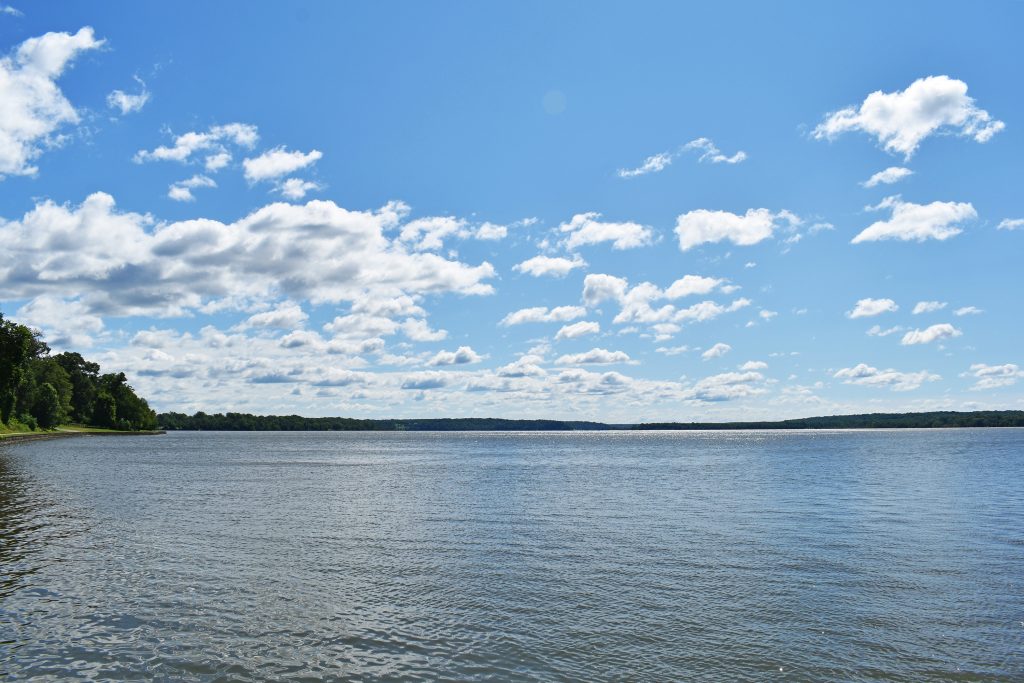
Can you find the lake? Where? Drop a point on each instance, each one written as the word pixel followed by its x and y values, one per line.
pixel 856 555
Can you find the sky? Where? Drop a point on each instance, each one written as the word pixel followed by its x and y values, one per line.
pixel 574 210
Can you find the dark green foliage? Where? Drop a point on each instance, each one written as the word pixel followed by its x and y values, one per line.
pixel 947 418
pixel 246 422
pixel 16 348
pixel 38 390
pixel 84 378
pixel 273 423
pixel 47 409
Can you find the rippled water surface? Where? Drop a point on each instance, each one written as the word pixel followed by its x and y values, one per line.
pixel 889 555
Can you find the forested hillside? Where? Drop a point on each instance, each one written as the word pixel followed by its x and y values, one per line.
pixel 41 391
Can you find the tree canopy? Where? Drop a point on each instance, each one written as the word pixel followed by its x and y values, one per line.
pixel 40 390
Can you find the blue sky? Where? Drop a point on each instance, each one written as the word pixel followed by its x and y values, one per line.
pixel 569 210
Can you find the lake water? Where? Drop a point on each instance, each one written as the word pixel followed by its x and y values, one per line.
pixel 868 555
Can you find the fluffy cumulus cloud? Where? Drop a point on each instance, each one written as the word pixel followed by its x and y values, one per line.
pixel 286 316
pixel 212 145
pixel 66 323
pixel 928 307
pixel 32 107
pixel 541 314
pixel 641 303
pixel 917 222
pixel 930 334
pixel 710 153
pixel 129 103
pixel 587 228
pixel 702 226
pixel 181 191
pixel 891 175
pixel 716 351
pixel 866 308
pixel 554 266
pixel 464 355
pixel 595 356
pixel 127 264
pixel 865 375
pixel 727 386
pixel 579 329
pixel 278 162
pixel 901 120
pixel 994 376
pixel 296 188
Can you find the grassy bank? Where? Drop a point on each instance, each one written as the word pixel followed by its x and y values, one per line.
pixel 16 433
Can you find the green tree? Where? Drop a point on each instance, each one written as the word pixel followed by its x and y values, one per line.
pixel 84 378
pixel 47 409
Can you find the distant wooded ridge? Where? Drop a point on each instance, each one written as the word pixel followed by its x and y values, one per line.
pixel 245 422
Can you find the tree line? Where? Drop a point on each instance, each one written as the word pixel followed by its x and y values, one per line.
pixel 235 422
pixel 935 419
pixel 40 391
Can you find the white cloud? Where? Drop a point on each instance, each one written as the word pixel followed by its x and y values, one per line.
pixel 181 191
pixel 709 152
pixel 754 365
pixel 877 331
pixel 689 285
pixel 11 11
pixel 127 103
pixel 419 330
pixel 598 287
pixel 767 315
pixel 659 162
pixel 1011 224
pixel 594 356
pixel 702 226
pixel 579 329
pixel 462 356
pixel 865 375
pixel 968 310
pixel 994 376
pixel 930 334
pixel 585 229
pixel 297 188
pixel 891 175
pixel 917 221
pixel 66 323
pixel 727 386
pixel 286 316
pixel 652 164
pixel 32 107
pixel 278 162
pixel 128 264
pixel 212 142
pixel 928 307
pixel 540 314
pixel 491 232
pixel 672 350
pixel 866 308
pixel 901 120
pixel 716 351
pixel 539 266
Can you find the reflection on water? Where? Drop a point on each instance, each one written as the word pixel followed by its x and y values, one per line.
pixel 594 556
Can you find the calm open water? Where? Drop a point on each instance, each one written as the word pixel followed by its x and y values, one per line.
pixel 871 555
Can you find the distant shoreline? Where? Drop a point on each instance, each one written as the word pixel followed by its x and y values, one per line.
pixel 259 423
